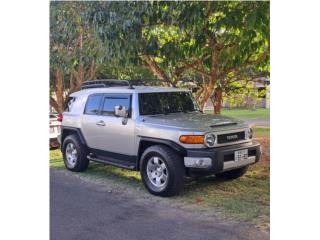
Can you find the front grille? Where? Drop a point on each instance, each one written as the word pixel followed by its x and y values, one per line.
pixel 231 137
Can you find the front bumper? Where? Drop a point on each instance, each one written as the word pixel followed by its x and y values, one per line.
pixel 222 158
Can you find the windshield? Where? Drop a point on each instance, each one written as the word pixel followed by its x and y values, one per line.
pixel 166 102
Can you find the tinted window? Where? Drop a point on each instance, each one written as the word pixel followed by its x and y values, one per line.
pixel 166 102
pixel 93 103
pixel 111 101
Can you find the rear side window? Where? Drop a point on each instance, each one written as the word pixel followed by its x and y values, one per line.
pixel 93 104
pixel 111 101
pixel 69 103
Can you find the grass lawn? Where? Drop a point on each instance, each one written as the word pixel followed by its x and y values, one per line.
pixel 260 113
pixel 245 199
pixel 261 132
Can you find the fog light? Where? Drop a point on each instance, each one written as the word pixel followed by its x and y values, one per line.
pixel 197 162
pixel 200 162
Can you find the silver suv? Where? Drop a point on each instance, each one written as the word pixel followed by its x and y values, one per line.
pixel 158 131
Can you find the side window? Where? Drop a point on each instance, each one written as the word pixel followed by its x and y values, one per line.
pixel 93 104
pixel 69 103
pixel 111 101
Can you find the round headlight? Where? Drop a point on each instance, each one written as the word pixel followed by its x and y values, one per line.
pixel 209 140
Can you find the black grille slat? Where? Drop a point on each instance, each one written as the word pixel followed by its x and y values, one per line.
pixel 251 152
pixel 229 157
pixel 231 137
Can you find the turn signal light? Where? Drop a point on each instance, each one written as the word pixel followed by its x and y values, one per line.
pixel 192 139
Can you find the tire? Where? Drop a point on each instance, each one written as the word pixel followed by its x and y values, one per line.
pixel 79 161
pixel 233 174
pixel 171 178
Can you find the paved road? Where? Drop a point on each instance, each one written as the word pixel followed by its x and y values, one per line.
pixel 81 210
pixel 258 122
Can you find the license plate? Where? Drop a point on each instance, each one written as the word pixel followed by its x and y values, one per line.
pixel 240 155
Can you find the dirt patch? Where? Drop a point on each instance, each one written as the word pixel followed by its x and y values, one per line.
pixel 262 168
pixel 265 142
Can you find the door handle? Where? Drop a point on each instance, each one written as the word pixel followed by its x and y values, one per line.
pixel 100 123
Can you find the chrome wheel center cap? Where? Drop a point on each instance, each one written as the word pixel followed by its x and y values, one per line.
pixel 157 172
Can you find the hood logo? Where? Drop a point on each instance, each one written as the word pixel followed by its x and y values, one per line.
pixel 232 137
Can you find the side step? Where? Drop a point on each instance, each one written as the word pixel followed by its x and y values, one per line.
pixel 111 162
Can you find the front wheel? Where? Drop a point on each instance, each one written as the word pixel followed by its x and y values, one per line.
pixel 233 174
pixel 162 171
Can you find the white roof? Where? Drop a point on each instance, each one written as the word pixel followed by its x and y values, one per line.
pixel 136 89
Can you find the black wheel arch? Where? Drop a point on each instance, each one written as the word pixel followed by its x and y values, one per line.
pixel 66 131
pixel 146 142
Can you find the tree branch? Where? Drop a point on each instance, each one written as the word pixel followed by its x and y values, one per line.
pixel 248 63
pixel 54 104
pixel 155 69
pixel 195 63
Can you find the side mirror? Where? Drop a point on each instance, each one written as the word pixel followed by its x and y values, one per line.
pixel 120 111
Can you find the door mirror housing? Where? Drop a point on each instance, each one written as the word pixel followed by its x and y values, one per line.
pixel 120 111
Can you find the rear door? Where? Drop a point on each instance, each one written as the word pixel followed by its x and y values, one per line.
pixel 90 118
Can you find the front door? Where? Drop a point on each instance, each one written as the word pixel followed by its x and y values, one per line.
pixel 105 131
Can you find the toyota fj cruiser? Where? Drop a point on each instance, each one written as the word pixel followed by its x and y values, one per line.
pixel 158 131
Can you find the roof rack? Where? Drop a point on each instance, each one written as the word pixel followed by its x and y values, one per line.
pixel 148 82
pixel 105 83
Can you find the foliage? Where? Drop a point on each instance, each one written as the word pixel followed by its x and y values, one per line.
pixel 238 93
pixel 78 54
pixel 212 44
pixel 221 41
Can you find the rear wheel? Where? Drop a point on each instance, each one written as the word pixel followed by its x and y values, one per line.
pixel 162 171
pixel 233 174
pixel 75 154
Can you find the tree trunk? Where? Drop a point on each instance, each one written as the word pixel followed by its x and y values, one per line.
pixel 58 104
pixel 80 79
pixel 54 104
pixel 76 78
pixel 217 101
pixel 207 92
pixel 92 71
pixel 202 98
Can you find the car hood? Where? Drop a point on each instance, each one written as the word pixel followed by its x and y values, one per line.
pixel 194 121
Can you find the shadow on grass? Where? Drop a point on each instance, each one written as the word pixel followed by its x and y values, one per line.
pixel 254 178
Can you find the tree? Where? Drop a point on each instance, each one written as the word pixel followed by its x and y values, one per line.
pixel 78 54
pixel 75 50
pixel 218 40
pixel 212 43
pixel 237 93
